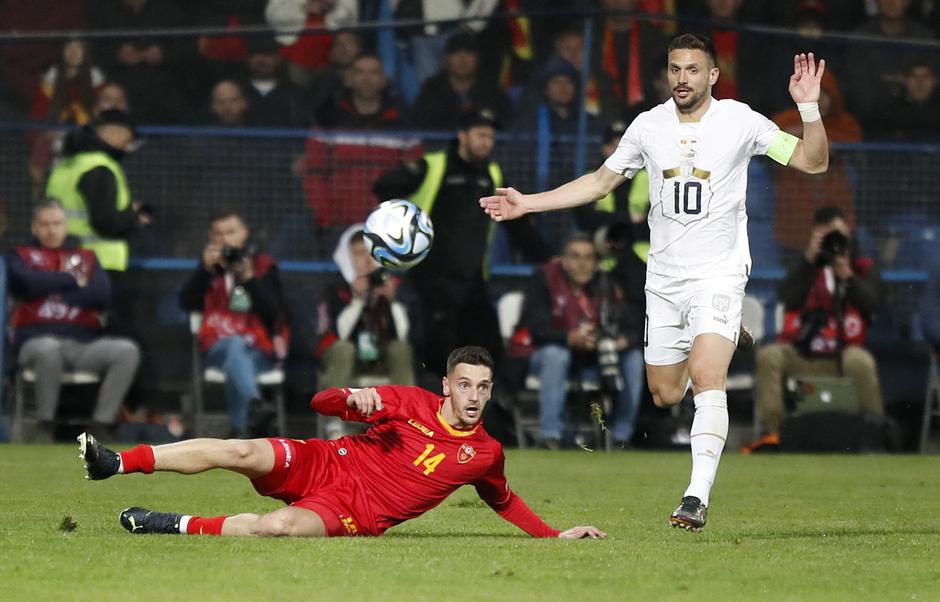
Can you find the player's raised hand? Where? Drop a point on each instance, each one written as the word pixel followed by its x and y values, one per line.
pixel 505 205
pixel 807 75
pixel 582 532
pixel 365 401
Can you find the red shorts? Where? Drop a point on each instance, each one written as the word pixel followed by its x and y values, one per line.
pixel 308 474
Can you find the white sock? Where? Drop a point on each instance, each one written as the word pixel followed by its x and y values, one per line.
pixel 709 431
pixel 120 464
pixel 184 522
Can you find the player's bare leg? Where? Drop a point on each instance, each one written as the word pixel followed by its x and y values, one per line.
pixel 708 368
pixel 668 384
pixel 252 458
pixel 284 522
pixel 291 521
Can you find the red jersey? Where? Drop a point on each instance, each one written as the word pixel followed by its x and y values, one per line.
pixel 411 459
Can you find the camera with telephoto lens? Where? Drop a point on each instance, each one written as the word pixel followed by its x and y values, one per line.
pixel 833 245
pixel 608 361
pixel 232 255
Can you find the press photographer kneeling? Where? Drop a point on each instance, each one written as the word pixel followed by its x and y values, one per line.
pixel 829 298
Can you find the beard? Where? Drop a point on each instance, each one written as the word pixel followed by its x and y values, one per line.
pixel 691 102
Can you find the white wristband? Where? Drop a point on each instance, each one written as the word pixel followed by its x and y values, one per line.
pixel 809 111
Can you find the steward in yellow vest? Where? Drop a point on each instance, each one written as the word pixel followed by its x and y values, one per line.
pixel 451 281
pixel 90 184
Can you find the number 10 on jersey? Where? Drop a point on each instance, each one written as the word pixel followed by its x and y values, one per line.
pixel 691 196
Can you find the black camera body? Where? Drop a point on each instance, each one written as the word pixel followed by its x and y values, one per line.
pixel 232 255
pixel 833 245
pixel 378 277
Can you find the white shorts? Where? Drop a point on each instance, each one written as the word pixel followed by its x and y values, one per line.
pixel 679 309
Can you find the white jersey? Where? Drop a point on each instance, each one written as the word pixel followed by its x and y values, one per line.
pixel 698 182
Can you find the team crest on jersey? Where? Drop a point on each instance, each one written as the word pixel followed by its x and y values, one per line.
pixel 721 302
pixel 465 454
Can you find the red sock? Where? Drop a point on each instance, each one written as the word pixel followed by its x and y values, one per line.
pixel 138 459
pixel 199 525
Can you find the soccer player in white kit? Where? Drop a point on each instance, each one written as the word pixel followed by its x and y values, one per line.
pixel 696 150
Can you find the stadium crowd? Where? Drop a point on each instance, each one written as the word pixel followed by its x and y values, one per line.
pixel 491 65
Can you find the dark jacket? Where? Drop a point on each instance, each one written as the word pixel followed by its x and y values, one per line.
pixel 540 313
pixel 99 187
pixel 28 284
pixel 340 112
pixel 438 106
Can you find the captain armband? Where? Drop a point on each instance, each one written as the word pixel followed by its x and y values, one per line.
pixel 782 147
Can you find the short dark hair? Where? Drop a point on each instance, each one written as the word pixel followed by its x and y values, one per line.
pixel 694 41
pixel 222 213
pixel 469 354
pixel 46 203
pixel 826 214
pixel 576 236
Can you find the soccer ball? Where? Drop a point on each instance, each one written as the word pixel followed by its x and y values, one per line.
pixel 398 235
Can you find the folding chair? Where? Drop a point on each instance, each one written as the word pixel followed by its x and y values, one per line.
pixel 25 377
pixel 271 380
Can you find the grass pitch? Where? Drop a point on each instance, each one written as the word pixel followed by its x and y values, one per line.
pixel 780 528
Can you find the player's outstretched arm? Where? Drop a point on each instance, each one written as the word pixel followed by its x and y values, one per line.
pixel 583 532
pixel 509 203
pixel 348 404
pixel 812 153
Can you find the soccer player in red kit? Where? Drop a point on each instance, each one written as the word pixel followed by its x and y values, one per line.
pixel 420 449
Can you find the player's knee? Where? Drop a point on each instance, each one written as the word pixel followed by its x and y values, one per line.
pixel 666 396
pixel 704 378
pixel 274 524
pixel 241 453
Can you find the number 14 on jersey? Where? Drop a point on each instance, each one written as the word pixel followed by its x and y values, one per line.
pixel 427 460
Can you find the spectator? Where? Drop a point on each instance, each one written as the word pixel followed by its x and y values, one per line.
pixel 66 95
pixel 272 100
pixel 227 105
pixel 225 56
pixel 876 75
pixel 915 115
pixel 67 91
pixel 829 297
pixel 111 95
pixel 630 51
pixel 457 89
pixel 554 120
pixel 308 52
pixel 568 46
pixel 426 43
pixel 740 55
pixel 148 68
pixel 61 294
pixel 243 332
pixel 330 80
pixel 451 282
pixel 579 322
pixel 363 328
pixel 365 103
pixel 798 195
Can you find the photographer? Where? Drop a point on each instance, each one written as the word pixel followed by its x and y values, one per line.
pixel 578 321
pixel 829 298
pixel 244 328
pixel 361 325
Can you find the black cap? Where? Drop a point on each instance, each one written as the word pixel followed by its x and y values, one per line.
pixel 116 117
pixel 479 117
pixel 461 41
pixel 613 130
